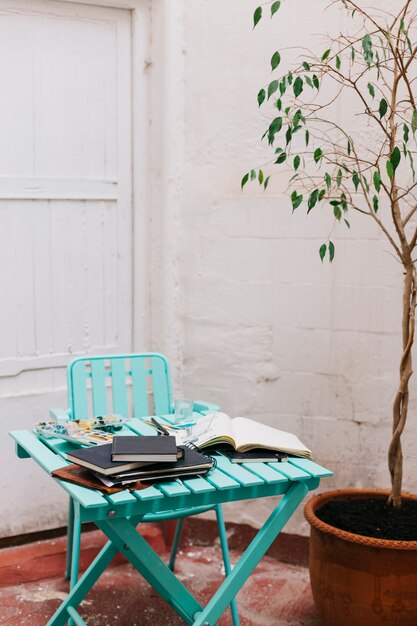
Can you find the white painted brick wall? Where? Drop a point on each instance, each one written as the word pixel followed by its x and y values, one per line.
pixel 269 331
pixel 238 298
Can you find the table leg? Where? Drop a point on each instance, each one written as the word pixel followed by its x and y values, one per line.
pixel 125 538
pixel 83 586
pixel 252 555
pixel 123 534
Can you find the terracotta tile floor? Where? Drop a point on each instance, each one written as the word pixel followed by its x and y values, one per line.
pixel 32 587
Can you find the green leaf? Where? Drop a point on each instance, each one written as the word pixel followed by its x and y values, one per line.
pixel 356 180
pixel 349 148
pixel 326 55
pixel 347 223
pixel 275 6
pixel 383 108
pixel 412 165
pixel 337 212
pixel 266 181
pixel 318 153
pixel 306 66
pixel 368 54
pixel 312 201
pixel 244 180
pixel 322 251
pixel 338 62
pixel 298 86
pixel 275 60
pixel 316 82
pixel 377 181
pixel 296 200
pixel 414 122
pixel 281 159
pixel 261 97
pixel 331 251
pixel 390 170
pixel 339 178
pixel 309 81
pixel 395 158
pixel 307 137
pixel 328 180
pixel 252 174
pixel 375 202
pixel 371 90
pixel 297 161
pixel 272 88
pixel 260 177
pixel 274 127
pixel 406 132
pixel 257 16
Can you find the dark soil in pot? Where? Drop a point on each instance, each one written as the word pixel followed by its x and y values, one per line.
pixel 372 517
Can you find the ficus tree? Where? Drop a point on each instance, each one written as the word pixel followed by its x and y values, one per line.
pixel 330 166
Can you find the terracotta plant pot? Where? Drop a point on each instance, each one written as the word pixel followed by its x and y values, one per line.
pixel 357 580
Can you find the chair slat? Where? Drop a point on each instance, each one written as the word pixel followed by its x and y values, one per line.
pixel 139 389
pixel 119 390
pixel 98 388
pixel 161 385
pixel 77 385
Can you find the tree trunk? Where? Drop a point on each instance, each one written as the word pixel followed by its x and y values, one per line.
pixel 400 408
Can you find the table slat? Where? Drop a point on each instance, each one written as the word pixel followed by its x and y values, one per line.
pixel 312 468
pixel 221 480
pixel 290 471
pixel 265 472
pixel 173 488
pixel 50 461
pixel 238 473
pixel 198 485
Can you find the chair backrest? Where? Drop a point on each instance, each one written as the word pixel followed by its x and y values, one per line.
pixel 133 385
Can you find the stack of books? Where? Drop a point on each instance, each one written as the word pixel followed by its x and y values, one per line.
pixel 129 459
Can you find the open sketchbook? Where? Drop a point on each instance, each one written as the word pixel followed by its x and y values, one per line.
pixel 216 429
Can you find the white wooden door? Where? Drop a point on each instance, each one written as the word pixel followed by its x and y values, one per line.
pixel 65 185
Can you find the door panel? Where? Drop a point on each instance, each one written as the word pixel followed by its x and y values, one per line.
pixel 65 183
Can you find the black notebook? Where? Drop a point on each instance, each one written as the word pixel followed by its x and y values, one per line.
pixel 191 462
pixel 154 449
pixel 257 455
pixel 98 458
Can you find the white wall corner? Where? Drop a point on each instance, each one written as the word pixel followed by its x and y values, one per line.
pixel 167 180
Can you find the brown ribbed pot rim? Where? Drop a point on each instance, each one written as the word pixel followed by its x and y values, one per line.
pixel 342 494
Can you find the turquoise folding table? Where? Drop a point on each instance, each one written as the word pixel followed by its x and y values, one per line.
pixel 118 515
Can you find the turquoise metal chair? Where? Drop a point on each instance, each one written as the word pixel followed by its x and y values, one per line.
pixel 133 385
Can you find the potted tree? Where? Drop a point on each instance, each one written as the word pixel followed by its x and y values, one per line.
pixel 363 551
